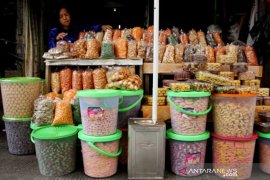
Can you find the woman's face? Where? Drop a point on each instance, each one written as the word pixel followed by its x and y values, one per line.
pixel 64 18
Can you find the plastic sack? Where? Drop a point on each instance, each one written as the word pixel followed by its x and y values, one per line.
pixel 53 95
pixel 116 34
pixel 179 53
pixel 99 36
pixel 120 48
pixel 150 29
pixel 63 113
pixel 250 55
pixel 169 54
pixel 210 54
pixel 172 40
pixel 87 79
pixel 107 50
pixel 77 83
pixel 55 82
pixel 141 48
pixel 66 79
pixel 132 49
pixel 192 37
pixel 99 77
pixel 149 53
pixel 108 36
pixel 69 95
pixel 217 38
pixel 121 74
pixel 189 50
pixel 137 33
pixel 79 48
pixel 93 49
pixel 76 112
pixel 125 33
pixel 110 72
pixel 175 33
pixel 162 38
pixel 183 38
pixel 210 39
pixel 220 50
pixel 43 111
pixel 64 45
pixel 82 35
pixel 240 55
pixel 161 51
pixel 148 37
pixel 201 37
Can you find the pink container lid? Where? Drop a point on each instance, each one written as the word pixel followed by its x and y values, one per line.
pixel 252 137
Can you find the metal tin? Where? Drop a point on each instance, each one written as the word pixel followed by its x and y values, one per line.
pixel 146 149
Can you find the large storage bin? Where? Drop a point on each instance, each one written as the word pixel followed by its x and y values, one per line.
pixel 264 151
pixel 18 136
pixel 189 111
pixel 233 114
pixel 19 94
pixel 100 154
pixel 55 149
pixel 233 157
pixel 129 107
pixel 99 111
pixel 187 153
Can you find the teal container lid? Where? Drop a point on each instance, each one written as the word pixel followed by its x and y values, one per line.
pixel 98 93
pixel 113 137
pixel 200 137
pixel 190 94
pixel 20 80
pixel 16 119
pixel 131 93
pixel 54 132
pixel 263 135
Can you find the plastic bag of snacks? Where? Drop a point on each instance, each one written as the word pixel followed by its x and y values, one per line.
pixel 63 113
pixel 87 79
pixel 107 50
pixel 189 50
pixel 210 39
pixel 183 38
pixel 132 49
pixel 162 38
pixel 217 38
pixel 64 45
pixel 116 34
pixel 79 48
pixel 148 37
pixel 149 53
pixel 141 48
pixel 192 37
pixel 210 54
pixel 120 48
pixel 134 82
pixel 55 82
pixel 125 33
pixel 110 72
pixel 76 111
pixel 93 49
pixel 161 51
pixel 43 111
pixel 108 35
pixel 172 40
pixel 250 55
pixel 137 33
pixel 99 77
pixel 53 95
pixel 66 79
pixel 169 54
pixel 99 36
pixel 69 95
pixel 175 33
pixel 201 37
pixel 121 74
pixel 82 35
pixel 55 51
pixel 77 79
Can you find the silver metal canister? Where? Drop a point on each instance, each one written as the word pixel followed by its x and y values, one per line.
pixel 146 149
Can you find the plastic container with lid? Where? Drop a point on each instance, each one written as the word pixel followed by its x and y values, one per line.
pixel 212 78
pixel 233 157
pixel 166 82
pixel 180 86
pixel 262 127
pixel 263 92
pixel 264 116
pixel 55 149
pixel 189 111
pixel 202 86
pixel 236 89
pixel 234 114
pixel 259 101
pixel 18 95
pixel 187 153
pixel 264 151
pixel 266 101
pixel 248 75
pixel 100 154
pixel 99 111
pixel 227 74
pixel 213 67
pixel 182 75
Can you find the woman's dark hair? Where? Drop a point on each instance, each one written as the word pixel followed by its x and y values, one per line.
pixel 56 14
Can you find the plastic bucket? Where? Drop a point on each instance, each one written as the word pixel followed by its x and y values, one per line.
pixel 187 153
pixel 18 136
pixel 189 111
pixel 99 111
pixel 19 94
pixel 264 151
pixel 55 149
pixel 100 154
pixel 234 114
pixel 123 158
pixel 129 107
pixel 233 157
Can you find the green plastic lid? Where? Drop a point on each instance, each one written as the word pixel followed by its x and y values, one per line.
pixel 98 93
pixel 20 80
pixel 263 135
pixel 108 138
pixel 16 119
pixel 200 137
pixel 188 94
pixel 54 132
pixel 79 127
pixel 33 126
pixel 131 93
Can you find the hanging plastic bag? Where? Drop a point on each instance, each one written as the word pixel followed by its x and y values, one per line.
pixel 149 53
pixel 99 36
pixel 179 53
pixel 99 77
pixel 137 33
pixel 63 113
pixel 132 49
pixel 120 48
pixel 77 83
pixel 169 54
pixel 161 51
pixel 79 48
pixel 87 79
pixel 192 37
pixel 210 54
pixel 201 37
pixel 55 82
pixel 183 38
pixel 93 49
pixel 141 47
pixel 66 79
pixel 250 55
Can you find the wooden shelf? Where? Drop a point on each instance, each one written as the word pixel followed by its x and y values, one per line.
pixel 164 68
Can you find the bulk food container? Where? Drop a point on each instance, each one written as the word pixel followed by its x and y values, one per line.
pixel 55 149
pixel 99 111
pixel 189 111
pixel 18 136
pixel 129 106
pixel 233 114
pixel 19 94
pixel 100 154
pixel 233 157
pixel 187 153
pixel 264 151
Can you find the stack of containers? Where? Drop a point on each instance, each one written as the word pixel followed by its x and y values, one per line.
pixel 188 136
pixel 19 94
pixel 233 139
pixel 99 135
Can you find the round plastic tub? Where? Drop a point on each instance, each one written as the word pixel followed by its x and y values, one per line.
pixel 55 149
pixel 100 154
pixel 18 136
pixel 129 107
pixel 233 114
pixel 187 153
pixel 99 111
pixel 19 94
pixel 233 157
pixel 264 151
pixel 189 111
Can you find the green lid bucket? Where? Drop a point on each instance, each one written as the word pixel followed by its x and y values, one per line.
pixel 98 93
pixel 20 80
pixel 131 93
pixel 125 93
pixel 191 94
pixel 263 135
pixel 16 119
pixel 178 137
pixel 90 140
pixel 34 127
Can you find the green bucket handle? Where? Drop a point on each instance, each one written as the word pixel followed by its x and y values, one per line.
pixel 190 112
pixel 131 106
pixel 31 137
pixel 121 100
pixel 91 144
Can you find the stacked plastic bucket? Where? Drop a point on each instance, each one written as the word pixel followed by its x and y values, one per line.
pixel 18 95
pixel 188 136
pixel 233 139
pixel 99 135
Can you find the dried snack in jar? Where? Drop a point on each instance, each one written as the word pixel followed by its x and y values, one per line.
pixel 213 67
pixel 183 38
pixel 179 53
pixel 79 48
pixel 266 101
pixel 180 86
pixel 264 116
pixel 132 49
pixel 239 67
pixel 217 38
pixel 66 79
pixel 149 53
pixel 99 36
pixel 108 36
pixel 263 92
pixel 99 77
pixel 210 54
pixel 64 45
pixel 116 34
pixel 169 54
pixel 212 78
pixel 202 86
pixel 167 82
pixel 76 112
pixel 182 75
pixel 69 95
pixel 55 82
pixel 77 79
pixel 192 37
pixel 141 47
pixel 63 113
pixel 227 74
pixel 201 37
pixel 121 74
pixel 248 75
pixel 161 51
pixel 251 55
pixel 137 33
pixel 120 48
pixel 87 79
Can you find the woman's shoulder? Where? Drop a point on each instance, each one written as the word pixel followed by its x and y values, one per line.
pixel 54 30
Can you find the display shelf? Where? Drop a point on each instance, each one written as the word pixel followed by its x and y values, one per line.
pixel 164 68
